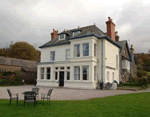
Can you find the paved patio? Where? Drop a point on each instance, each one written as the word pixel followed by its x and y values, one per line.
pixel 64 93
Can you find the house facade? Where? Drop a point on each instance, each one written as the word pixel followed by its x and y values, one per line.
pixel 80 58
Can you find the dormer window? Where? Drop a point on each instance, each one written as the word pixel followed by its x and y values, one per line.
pixel 62 36
pixel 75 33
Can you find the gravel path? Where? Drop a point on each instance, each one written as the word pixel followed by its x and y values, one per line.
pixel 64 93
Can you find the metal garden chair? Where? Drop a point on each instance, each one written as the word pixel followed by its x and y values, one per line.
pixel 12 96
pixel 30 96
pixel 36 90
pixel 46 96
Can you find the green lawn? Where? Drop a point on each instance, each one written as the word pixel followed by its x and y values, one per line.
pixel 130 105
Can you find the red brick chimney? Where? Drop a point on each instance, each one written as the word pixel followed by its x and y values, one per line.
pixel 110 28
pixel 54 34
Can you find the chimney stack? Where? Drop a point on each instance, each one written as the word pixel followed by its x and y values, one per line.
pixel 110 29
pixel 116 36
pixel 131 49
pixel 54 34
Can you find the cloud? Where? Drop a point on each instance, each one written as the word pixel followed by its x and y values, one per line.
pixel 33 20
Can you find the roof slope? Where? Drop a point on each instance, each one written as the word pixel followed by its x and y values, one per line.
pixel 25 64
pixel 85 31
pixel 124 43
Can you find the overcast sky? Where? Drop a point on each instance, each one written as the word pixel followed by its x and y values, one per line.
pixel 33 20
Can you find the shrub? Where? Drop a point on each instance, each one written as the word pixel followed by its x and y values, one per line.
pixel 141 73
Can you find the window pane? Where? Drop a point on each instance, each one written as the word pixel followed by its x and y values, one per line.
pixel 95 73
pixel 42 73
pixel 68 75
pixel 77 73
pixel 56 75
pixel 61 67
pixel 77 50
pixel 95 49
pixel 62 36
pixel 85 72
pixel 52 55
pixel 48 72
pixel 67 53
pixel 86 49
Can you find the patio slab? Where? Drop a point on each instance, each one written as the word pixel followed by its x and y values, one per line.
pixel 64 93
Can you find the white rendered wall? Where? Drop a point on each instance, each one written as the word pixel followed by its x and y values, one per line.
pixel 110 61
pixel 60 53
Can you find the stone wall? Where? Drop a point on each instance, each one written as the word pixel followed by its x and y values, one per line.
pixel 10 68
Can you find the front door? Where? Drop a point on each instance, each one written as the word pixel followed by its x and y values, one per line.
pixel 61 78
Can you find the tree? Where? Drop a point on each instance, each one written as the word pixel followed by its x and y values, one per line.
pixel 23 50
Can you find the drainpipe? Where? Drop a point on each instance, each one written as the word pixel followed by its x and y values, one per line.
pixel 102 63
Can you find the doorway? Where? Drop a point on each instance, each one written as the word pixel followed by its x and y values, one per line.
pixel 61 78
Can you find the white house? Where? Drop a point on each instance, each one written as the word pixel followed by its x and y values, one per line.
pixel 79 58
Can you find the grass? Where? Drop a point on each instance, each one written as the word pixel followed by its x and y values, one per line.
pixel 130 105
pixel 129 88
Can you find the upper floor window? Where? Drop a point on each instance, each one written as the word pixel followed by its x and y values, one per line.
pixel 76 33
pixel 86 49
pixel 52 56
pixel 117 61
pixel 95 49
pixel 68 54
pixel 62 36
pixel 77 50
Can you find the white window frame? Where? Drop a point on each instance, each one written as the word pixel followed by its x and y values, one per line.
pixel 75 73
pixel 42 73
pixel 62 38
pixel 67 54
pixel 87 74
pixel 76 51
pixel 116 61
pixel 95 50
pixel 85 49
pixel 95 73
pixel 75 32
pixel 52 57
pixel 48 73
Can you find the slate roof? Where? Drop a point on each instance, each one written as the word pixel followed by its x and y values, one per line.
pixel 25 64
pixel 125 43
pixel 85 31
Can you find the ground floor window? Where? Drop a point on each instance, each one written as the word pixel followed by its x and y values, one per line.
pixel 77 73
pixel 95 73
pixel 107 76
pixel 113 76
pixel 42 72
pixel 85 72
pixel 68 75
pixel 56 75
pixel 48 73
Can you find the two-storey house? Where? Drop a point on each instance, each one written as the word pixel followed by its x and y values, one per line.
pixel 79 58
